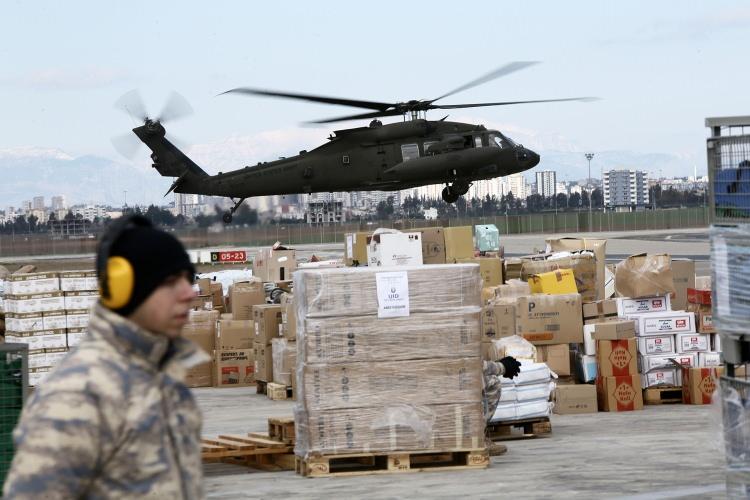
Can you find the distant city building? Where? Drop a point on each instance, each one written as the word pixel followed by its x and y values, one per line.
pixel 188 205
pixel 546 183
pixel 625 188
pixel 59 203
pixel 325 212
pixel 26 206
pixel 369 200
pixel 561 188
pixel 38 203
pixel 430 213
pixel 518 186
pixel 577 189
pixel 89 212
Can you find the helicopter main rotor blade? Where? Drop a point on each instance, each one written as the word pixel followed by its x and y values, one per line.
pixel 381 106
pixel 481 104
pixel 175 108
pixel 501 71
pixel 375 114
pixel 132 103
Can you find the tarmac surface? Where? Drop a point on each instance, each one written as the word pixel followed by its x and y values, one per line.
pixel 667 451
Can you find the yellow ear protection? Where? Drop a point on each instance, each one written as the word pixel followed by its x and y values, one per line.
pixel 116 275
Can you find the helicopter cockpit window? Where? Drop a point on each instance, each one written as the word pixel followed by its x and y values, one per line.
pixel 409 152
pixel 477 141
pixel 426 147
pixel 496 141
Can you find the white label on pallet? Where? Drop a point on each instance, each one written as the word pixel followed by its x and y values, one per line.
pixel 393 294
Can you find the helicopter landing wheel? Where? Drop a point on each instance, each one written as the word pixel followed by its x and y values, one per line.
pixel 227 217
pixel 449 196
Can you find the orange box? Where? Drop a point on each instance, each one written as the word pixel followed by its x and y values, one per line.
pixel 619 393
pixel 617 357
pixel 699 384
pixel 696 296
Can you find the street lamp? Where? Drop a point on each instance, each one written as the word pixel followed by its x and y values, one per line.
pixel 589 157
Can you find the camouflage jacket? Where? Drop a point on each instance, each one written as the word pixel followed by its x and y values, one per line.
pixel 113 420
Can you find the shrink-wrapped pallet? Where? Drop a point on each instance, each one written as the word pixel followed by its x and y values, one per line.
pixel 388 359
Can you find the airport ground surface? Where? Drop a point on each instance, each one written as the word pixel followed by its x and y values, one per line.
pixel 668 451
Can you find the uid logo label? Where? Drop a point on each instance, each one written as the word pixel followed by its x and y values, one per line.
pixel 393 294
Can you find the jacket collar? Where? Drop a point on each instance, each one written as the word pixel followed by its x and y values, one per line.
pixel 157 351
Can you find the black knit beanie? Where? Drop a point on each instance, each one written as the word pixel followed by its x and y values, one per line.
pixel 154 255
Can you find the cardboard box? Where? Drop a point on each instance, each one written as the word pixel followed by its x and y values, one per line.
pixel 699 384
pixel 669 377
pixel 585 367
pixel 705 322
pixel 217 295
pixel 699 296
pixel 263 354
pixel 77 319
pixel 557 358
pixel 35 302
pixel 644 275
pixel 202 331
pixel 54 320
pixel 683 275
pixel 32 283
pixel 555 282
pixel 288 326
pixel 355 249
pixel 709 359
pixel 27 322
pixel 74 281
pixel 274 265
pixel 234 368
pixel 284 355
pixel 614 330
pixel 490 269
pixel 233 334
pixel 693 342
pixel 244 296
pixel 575 399
pixel 200 375
pixel 583 266
pixel 394 249
pixel 651 362
pixel 267 319
pixel 620 393
pixel 663 323
pixel 656 344
pixel 512 289
pixel 410 382
pixel 599 247
pixel 617 357
pixel 459 243
pixel 75 336
pixel 204 286
pixel 513 267
pixel 202 303
pixel 550 319
pixel 594 312
pixel 80 299
pixel 627 306
pixel 498 321
pixel 433 245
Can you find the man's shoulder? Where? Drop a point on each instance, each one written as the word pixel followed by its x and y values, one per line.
pixel 91 367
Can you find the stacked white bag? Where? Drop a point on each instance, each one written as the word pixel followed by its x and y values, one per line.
pixel 528 394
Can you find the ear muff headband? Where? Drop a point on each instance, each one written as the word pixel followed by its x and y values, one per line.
pixel 120 280
pixel 116 274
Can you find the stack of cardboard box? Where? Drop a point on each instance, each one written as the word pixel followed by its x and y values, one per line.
pixel 50 313
pixel 618 382
pixel 267 319
pixel 388 360
pixel 284 348
pixel 201 329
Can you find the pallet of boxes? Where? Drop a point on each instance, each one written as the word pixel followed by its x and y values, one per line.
pixel 389 374
pixel 50 313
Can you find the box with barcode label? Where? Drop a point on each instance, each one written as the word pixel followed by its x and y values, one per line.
pixel 661 323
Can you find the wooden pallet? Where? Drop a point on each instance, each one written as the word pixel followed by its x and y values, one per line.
pixel 662 395
pixel 360 464
pixel 281 429
pixel 261 387
pixel 279 392
pixel 255 450
pixel 519 429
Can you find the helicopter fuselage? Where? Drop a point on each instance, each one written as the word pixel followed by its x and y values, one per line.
pixel 378 157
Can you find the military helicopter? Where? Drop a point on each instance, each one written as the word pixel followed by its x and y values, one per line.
pixel 385 157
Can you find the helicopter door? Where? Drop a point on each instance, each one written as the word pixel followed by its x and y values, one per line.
pixel 385 159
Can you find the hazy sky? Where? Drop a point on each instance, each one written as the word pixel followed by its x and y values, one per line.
pixel 659 67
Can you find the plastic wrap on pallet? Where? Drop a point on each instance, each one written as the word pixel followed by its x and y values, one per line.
pixel 353 291
pixel 284 354
pixel 389 427
pixel 730 258
pixel 361 385
pixel 363 338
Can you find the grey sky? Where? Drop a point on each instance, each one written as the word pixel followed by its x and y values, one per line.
pixel 659 67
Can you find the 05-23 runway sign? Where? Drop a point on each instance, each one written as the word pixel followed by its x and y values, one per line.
pixel 229 256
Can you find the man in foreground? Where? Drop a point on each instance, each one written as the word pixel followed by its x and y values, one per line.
pixel 114 419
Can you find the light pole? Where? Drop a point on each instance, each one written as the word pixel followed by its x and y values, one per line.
pixel 589 157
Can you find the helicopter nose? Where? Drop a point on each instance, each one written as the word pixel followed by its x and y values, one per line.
pixel 527 157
